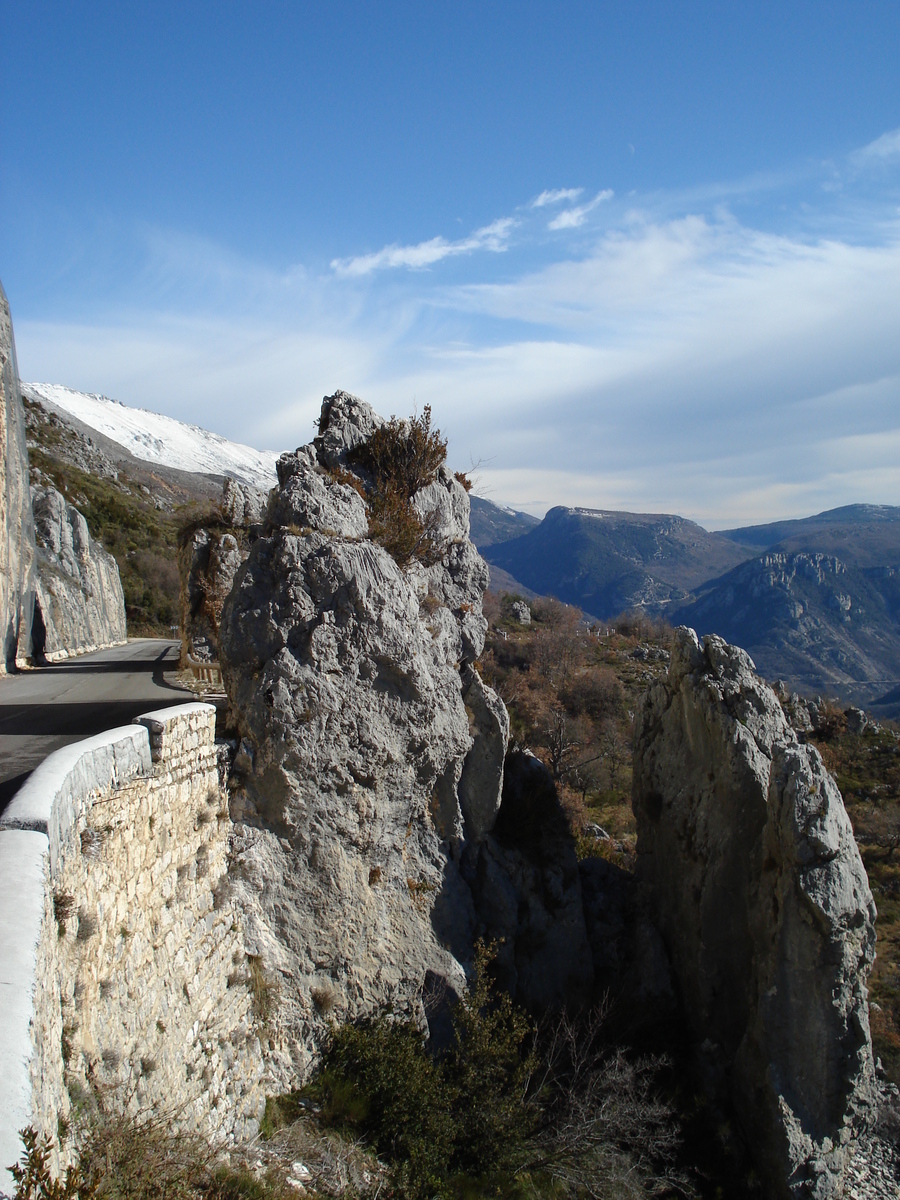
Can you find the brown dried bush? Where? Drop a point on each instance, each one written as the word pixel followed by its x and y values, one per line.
pixel 401 457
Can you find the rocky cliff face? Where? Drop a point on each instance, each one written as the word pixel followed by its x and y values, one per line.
pixel 817 619
pixel 208 563
pixel 79 604
pixel 757 886
pixel 378 833
pixel 16 529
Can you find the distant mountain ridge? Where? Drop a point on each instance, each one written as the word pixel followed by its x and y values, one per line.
pixel 848 514
pixel 490 523
pixel 159 439
pixel 606 561
pixel 815 601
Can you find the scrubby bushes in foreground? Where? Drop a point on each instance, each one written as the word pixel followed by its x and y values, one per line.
pixel 509 1109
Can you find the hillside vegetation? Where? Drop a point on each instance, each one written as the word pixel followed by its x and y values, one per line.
pixel 571 689
pixel 867 769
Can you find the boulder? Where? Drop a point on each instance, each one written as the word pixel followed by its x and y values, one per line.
pixel 754 879
pixel 481 782
pixel 17 550
pixel 79 605
pixel 856 720
pixel 370 774
pixel 521 612
pixel 243 505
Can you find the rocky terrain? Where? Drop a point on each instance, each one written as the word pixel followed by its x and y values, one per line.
pixel 16 527
pixel 384 819
pixel 208 560
pixel 383 824
pixel 757 885
pixel 79 604
pixel 380 829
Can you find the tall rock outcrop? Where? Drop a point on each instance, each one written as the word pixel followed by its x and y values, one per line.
pixel 79 605
pixel 376 837
pixel 16 528
pixel 208 563
pixel 755 881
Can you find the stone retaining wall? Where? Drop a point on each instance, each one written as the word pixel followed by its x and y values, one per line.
pixel 121 957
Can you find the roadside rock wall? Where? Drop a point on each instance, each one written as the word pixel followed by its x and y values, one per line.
pixel 122 955
pixel 756 884
pixel 79 604
pixel 16 528
pixel 369 777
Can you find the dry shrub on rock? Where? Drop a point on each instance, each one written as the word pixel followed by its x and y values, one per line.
pixel 401 458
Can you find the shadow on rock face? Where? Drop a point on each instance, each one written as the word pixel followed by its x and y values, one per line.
pixel 531 818
pixel 527 892
pixel 439 999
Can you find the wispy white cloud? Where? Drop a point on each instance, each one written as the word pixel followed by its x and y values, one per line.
pixel 494 237
pixel 571 218
pixel 684 360
pixel 556 196
pixel 882 149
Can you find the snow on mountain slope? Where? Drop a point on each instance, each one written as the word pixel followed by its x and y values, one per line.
pixel 159 439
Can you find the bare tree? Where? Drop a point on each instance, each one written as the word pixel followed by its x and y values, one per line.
pixel 614 753
pixel 605 1131
pixel 560 640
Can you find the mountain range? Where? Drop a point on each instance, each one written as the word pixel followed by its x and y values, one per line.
pixel 815 601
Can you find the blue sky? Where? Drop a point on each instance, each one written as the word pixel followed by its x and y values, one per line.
pixel 640 255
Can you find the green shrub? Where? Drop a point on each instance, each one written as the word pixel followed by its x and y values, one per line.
pixel 510 1110
pixel 491 1068
pixel 34 1180
pixel 395 525
pixel 126 1157
pixel 379 1079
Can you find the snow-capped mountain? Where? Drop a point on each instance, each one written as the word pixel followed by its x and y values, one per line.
pixel 158 439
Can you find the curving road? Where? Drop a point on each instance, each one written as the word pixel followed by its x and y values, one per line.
pixel 49 707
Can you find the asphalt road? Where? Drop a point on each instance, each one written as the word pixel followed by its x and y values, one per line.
pixel 49 707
